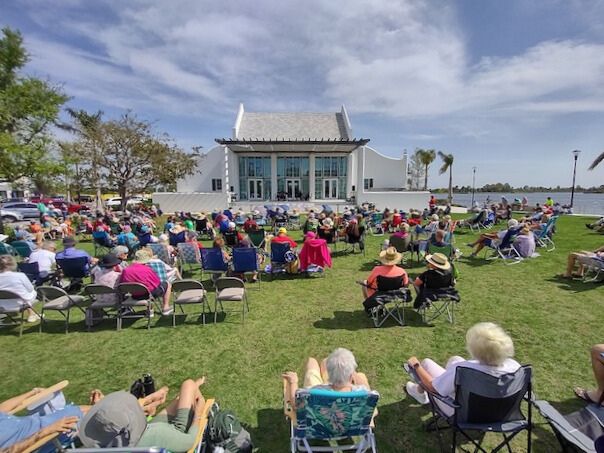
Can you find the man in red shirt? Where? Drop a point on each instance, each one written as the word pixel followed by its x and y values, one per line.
pixel 138 272
pixel 249 224
pixel 283 237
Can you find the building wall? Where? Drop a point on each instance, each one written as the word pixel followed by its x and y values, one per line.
pixel 401 200
pixel 387 172
pixel 211 165
pixel 170 202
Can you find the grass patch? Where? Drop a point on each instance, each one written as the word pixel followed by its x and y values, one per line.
pixel 553 323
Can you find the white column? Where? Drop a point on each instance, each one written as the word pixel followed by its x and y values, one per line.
pixel 311 177
pixel 273 176
pixel 225 184
pixel 349 175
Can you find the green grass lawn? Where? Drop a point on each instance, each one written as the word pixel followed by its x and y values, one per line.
pixel 553 323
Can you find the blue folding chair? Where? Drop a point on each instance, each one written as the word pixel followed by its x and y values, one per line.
pixel 74 269
pixel 176 238
pixel 279 261
pixel 6 249
pixel 245 261
pixel 23 248
pixel 32 271
pixel 505 248
pixel 213 262
pixel 188 253
pixel 543 237
pixel 102 243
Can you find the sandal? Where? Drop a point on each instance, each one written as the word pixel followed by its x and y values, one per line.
pixel 581 393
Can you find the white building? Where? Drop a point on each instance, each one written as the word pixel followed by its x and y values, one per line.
pixel 303 158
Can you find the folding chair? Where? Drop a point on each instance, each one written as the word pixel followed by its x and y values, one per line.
pixel 189 292
pixel 57 299
pixel 176 238
pixel 134 295
pixel 258 239
pixel 245 262
pixel 102 243
pixel 375 224
pixel 391 296
pixel 213 262
pixel 483 403
pixel 23 248
pixel 200 442
pixel 231 238
pixel 10 306
pixel 438 302
pixel 352 242
pixel 74 269
pixel 593 266
pixel 279 262
pixel 230 289
pixel 569 436
pixel 161 252
pixel 32 270
pixel 188 254
pixel 543 237
pixel 6 249
pixel 203 227
pixel 106 307
pixel 329 416
pixel 505 249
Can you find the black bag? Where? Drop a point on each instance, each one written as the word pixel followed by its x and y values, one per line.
pixel 225 431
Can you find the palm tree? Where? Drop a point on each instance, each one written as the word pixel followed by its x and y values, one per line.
pixel 426 157
pixel 597 161
pixel 447 165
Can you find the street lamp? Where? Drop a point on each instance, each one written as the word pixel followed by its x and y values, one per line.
pixel 572 193
pixel 473 184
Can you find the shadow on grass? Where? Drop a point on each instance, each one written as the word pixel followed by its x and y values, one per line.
pixel 576 286
pixel 358 320
pixel 272 431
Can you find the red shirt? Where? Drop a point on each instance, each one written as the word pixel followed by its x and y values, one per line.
pixel 385 271
pixel 139 273
pixel 284 238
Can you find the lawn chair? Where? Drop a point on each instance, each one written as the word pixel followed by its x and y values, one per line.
pixel 32 270
pixel 594 270
pixel 483 403
pixel 188 254
pixel 107 308
pixel 475 222
pixel 10 305
pixel 203 227
pixel 245 262
pixel 375 224
pixel 176 238
pixel 231 238
pixel 391 296
pixel 162 252
pixel 230 289
pixel 326 415
pixel 200 442
pixel 213 262
pixel 128 303
pixel 400 244
pixel 102 243
pixel 6 249
pixel 504 249
pixel 57 299
pixel 352 242
pixel 438 302
pixel 279 262
pixel 23 248
pixel 258 240
pixel 544 236
pixel 569 436
pixel 74 269
pixel 189 292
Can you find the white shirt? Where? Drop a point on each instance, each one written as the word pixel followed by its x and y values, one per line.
pixel 44 258
pixel 18 283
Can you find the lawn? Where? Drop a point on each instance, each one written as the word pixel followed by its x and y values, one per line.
pixel 553 323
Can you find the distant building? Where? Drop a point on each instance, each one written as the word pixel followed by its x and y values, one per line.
pixel 294 157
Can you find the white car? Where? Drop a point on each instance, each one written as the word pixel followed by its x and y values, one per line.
pixel 117 202
pixel 9 216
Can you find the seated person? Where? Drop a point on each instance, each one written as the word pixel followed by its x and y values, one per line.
pixel 438 239
pixel 164 239
pixel 102 237
pixel 486 239
pixel 524 243
pixel 311 223
pixel 389 259
pixel 232 237
pixel 337 373
pixel 36 230
pixel 137 272
pixel 491 350
pixel 314 252
pixel 581 259
pixel 45 257
pixel 354 233
pixel 432 226
pixel 402 232
pixel 219 243
pixel 596 395
pixel 437 278
pixel 107 272
pixel 326 230
pixel 21 234
pixel 283 237
pixel 144 236
pixel 70 251
pixel 165 272
pixel 250 224
pixel 18 283
pixel 127 237
pixel 191 238
pixel 596 225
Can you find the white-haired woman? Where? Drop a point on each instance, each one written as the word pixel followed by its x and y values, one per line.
pixel 338 372
pixel 19 284
pixel 491 350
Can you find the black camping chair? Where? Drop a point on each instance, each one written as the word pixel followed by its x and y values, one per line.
pixel 388 300
pixel 483 403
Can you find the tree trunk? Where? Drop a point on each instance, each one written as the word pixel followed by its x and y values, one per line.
pixel 123 191
pixel 450 183
pixel 426 178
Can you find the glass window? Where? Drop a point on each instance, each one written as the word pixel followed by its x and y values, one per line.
pixel 326 166
pixel 267 167
pixel 258 166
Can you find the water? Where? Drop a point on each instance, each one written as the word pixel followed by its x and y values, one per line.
pixel 584 203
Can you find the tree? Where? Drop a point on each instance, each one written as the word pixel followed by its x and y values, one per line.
pixel 597 161
pixel 426 157
pixel 132 158
pixel 28 107
pixel 415 171
pixel 447 165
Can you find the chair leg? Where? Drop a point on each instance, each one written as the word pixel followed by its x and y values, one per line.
pixel 41 320
pixel 215 309
pixel 67 321
pixel 22 321
pixel 174 317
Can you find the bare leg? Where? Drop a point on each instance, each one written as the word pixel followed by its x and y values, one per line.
pixel 312 368
pixel 324 373
pixel 360 379
pixel 597 364
pixel 364 289
pixel 166 298
pixel 570 264
pixel 187 397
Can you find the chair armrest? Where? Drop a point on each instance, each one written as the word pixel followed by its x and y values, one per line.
pixel 288 405
pixel 203 423
pixel 445 399
pixel 40 396
pixel 43 441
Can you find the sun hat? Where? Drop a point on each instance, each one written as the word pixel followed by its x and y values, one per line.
pixel 232 225
pixel 434 217
pixel 163 238
pixel 282 231
pixel 439 260
pixel 328 221
pixel 310 235
pixel 109 260
pixel 119 250
pixel 404 227
pixel 69 241
pixel 142 256
pixel 115 421
pixel 512 223
pixel 447 217
pixel 390 256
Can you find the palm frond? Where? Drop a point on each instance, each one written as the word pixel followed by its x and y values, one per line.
pixel 597 161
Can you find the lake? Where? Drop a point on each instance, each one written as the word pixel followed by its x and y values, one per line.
pixel 584 203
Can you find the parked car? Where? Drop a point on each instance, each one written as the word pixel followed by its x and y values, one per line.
pixel 13 200
pixel 10 216
pixel 27 210
pixel 76 207
pixel 117 202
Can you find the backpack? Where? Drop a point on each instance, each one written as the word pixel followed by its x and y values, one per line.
pixel 225 432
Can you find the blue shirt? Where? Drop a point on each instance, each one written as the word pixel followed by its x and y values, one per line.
pixel 72 252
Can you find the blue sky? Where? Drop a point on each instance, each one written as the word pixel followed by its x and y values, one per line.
pixel 511 87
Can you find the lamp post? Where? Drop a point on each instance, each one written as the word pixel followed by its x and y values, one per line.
pixel 473 185
pixel 572 193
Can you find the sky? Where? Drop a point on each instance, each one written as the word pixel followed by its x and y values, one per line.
pixel 510 87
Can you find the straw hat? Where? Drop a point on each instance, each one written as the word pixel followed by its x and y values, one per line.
pixel 439 260
pixel 142 256
pixel 328 222
pixel 390 256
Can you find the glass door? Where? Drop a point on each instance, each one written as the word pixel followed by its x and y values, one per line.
pixel 330 188
pixel 292 189
pixel 255 189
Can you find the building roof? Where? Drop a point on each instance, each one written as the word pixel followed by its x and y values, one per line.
pixel 292 126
